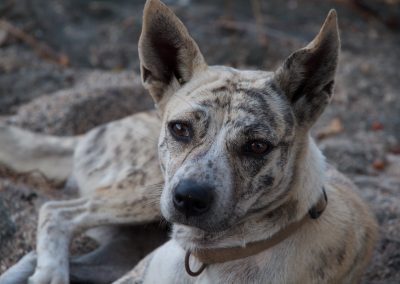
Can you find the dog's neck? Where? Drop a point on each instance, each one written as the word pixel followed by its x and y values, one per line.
pixel 306 189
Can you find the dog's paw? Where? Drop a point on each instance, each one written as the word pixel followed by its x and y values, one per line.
pixel 19 273
pixel 49 275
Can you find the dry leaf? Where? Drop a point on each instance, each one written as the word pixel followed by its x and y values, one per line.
pixel 376 125
pixel 335 126
pixel 378 164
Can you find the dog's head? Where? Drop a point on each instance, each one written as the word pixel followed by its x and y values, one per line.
pixel 229 138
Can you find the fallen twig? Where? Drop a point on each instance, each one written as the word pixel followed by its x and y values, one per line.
pixel 42 49
pixel 256 7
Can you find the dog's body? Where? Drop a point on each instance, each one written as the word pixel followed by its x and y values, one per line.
pixel 334 257
pixel 237 164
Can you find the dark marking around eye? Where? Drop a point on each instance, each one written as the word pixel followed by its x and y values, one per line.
pixel 203 127
pixel 256 148
pixel 252 166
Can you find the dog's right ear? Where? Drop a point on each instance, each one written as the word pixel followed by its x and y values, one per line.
pixel 168 55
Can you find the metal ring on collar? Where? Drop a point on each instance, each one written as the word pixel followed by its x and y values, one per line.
pixel 187 266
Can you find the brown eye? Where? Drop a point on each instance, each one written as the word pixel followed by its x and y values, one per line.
pixel 256 148
pixel 180 130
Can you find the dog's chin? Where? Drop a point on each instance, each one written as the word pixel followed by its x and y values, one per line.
pixel 205 223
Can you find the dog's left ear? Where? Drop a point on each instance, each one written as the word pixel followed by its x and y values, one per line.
pixel 307 76
pixel 169 57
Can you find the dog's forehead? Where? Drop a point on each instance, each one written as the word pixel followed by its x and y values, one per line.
pixel 240 99
pixel 219 86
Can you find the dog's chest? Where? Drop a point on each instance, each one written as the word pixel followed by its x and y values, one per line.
pixel 262 268
pixel 267 267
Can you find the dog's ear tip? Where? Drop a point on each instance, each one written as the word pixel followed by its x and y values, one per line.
pixel 331 23
pixel 150 3
pixel 329 31
pixel 332 15
pixel 153 6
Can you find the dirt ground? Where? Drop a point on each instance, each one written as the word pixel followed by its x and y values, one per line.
pixel 88 76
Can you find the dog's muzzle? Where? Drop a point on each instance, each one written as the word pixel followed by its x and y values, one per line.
pixel 193 198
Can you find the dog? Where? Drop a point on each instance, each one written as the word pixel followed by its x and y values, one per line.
pixel 226 157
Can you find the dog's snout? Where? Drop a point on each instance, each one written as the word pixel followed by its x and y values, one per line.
pixel 192 198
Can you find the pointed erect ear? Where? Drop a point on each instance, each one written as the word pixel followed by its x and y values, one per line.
pixel 307 76
pixel 168 55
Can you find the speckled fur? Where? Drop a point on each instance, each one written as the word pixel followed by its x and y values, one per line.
pixel 122 179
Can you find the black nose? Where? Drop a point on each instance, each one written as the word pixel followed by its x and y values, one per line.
pixel 192 198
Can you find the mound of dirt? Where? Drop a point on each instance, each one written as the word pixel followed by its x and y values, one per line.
pixel 96 98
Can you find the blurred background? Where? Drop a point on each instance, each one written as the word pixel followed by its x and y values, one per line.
pixel 67 66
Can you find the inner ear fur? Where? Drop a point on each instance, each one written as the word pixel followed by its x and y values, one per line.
pixel 307 75
pixel 168 55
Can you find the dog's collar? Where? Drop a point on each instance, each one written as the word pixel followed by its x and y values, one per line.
pixel 219 255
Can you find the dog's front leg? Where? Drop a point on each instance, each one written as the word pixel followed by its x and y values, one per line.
pixel 59 220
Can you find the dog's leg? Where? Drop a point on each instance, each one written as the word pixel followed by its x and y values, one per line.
pixel 119 252
pixel 55 227
pixel 25 151
pixel 105 264
pixel 59 220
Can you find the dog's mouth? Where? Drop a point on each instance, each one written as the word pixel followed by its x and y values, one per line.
pixel 209 222
pixel 215 222
pixel 204 225
pixel 188 234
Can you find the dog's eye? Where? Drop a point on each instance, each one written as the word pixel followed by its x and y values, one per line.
pixel 180 130
pixel 256 148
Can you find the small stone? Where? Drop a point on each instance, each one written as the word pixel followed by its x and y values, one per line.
pixel 376 125
pixel 378 165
